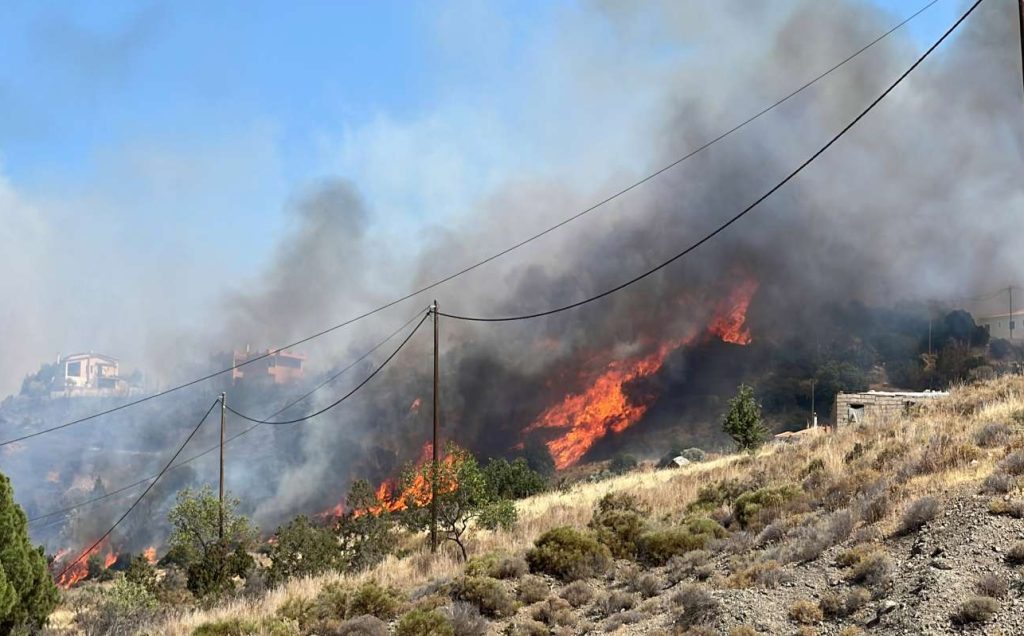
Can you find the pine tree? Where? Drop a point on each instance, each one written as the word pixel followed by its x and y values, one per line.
pixel 743 421
pixel 27 592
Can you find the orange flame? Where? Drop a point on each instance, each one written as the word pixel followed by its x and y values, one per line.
pixel 605 408
pixel 730 321
pixel 150 554
pixel 80 569
pixel 419 491
pixel 415 406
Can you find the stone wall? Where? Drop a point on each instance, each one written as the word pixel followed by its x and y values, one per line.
pixel 877 406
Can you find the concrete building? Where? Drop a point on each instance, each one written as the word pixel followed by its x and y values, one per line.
pixel 281 367
pixel 88 375
pixel 877 406
pixel 998 325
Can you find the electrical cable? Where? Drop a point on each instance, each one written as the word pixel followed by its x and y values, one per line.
pixel 342 398
pixel 141 497
pixel 245 431
pixel 738 216
pixel 491 258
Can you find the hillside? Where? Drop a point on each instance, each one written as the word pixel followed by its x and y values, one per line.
pixel 912 526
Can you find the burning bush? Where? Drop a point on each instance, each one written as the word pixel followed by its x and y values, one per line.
pixel 568 554
pixel 463 496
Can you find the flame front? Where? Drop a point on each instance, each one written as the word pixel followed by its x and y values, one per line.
pixel 730 321
pixel 80 569
pixel 150 554
pixel 605 408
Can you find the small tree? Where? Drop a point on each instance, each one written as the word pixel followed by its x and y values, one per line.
pixel 27 593
pixel 194 542
pixel 365 536
pixel 513 480
pixel 463 497
pixel 303 549
pixel 743 421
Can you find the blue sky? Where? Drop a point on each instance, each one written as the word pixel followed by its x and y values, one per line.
pixel 172 137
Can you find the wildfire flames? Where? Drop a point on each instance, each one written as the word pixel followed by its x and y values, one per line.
pixel 150 554
pixel 730 320
pixel 605 408
pixel 80 569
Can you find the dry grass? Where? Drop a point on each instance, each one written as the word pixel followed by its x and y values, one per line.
pixel 957 418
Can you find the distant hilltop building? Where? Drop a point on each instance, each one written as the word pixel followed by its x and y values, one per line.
pixel 88 375
pixel 277 367
pixel 999 325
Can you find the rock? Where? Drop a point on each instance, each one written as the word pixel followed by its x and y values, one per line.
pixel 941 564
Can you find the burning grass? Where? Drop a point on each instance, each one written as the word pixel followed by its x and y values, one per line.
pixel 672 492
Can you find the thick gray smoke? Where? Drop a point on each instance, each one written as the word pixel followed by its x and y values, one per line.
pixel 920 200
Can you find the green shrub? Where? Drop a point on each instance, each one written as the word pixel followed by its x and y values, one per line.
pixel 214 570
pixel 743 420
pixel 568 554
pixel 657 547
pixel 141 572
pixel 717 494
pixel 621 464
pixel 421 622
pixel 361 626
pixel 619 530
pixel 554 611
pixel 759 504
pixel 977 609
pixel 246 627
pixel 577 593
pixel 482 565
pixel 27 592
pixel 303 549
pixel 513 480
pixel 532 589
pixel 370 598
pixel 697 605
pixel 487 594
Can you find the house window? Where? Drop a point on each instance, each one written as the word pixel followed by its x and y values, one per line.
pixel 74 369
pixel 855 413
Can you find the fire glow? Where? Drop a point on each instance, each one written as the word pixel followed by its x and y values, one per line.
pixel 80 569
pixel 605 408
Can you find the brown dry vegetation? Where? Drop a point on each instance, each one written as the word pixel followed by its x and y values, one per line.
pixel 855 486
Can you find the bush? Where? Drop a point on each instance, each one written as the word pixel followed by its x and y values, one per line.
pixel 698 606
pixel 694 455
pixel 513 480
pixel 621 464
pixel 214 570
pixel 141 572
pixel 1013 464
pixel 657 547
pixel 528 627
pixel 999 483
pixel 805 612
pixel 568 554
pixel 510 568
pixel 619 530
pixel 743 630
pixel 302 549
pixel 247 626
pixel 577 593
pixel 623 618
pixel 689 564
pixel 977 609
pixel 370 598
pixel 27 592
pixel 1015 555
pixel 482 565
pixel 766 574
pixel 420 622
pixel 615 602
pixel 991 585
pixel 648 585
pixel 918 514
pixel 466 619
pixel 943 452
pixel 532 589
pixel 1012 508
pixel 875 571
pixel 487 594
pixel 837 605
pixel 554 611
pixel 992 435
pixel 743 421
pixel 817 536
pixel 365 625
pixel 760 504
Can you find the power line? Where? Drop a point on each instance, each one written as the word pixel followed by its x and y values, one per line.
pixel 142 496
pixel 292 403
pixel 344 397
pixel 738 216
pixel 495 256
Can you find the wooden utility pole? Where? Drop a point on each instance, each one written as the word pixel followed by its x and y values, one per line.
pixel 1020 18
pixel 220 513
pixel 435 467
pixel 1010 291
